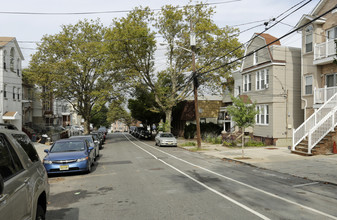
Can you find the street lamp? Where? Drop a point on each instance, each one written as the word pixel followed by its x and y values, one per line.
pixel 195 86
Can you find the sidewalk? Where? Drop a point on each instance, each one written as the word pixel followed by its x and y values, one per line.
pixel 317 168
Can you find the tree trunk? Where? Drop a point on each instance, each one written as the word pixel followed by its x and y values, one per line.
pixel 168 114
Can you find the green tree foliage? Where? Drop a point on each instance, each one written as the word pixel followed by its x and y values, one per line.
pixel 132 40
pixel 99 116
pixel 72 65
pixel 144 107
pixel 118 112
pixel 243 112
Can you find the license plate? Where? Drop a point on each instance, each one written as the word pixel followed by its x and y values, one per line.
pixel 65 167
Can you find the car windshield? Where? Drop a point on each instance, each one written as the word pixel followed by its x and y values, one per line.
pixel 166 135
pixel 66 146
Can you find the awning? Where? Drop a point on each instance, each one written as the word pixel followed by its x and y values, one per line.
pixel 10 116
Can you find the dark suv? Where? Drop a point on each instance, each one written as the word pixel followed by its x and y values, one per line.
pixel 24 187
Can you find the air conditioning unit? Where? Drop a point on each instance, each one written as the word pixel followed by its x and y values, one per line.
pixel 266 86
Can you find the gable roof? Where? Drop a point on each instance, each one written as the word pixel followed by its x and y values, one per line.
pixel 313 14
pixel 5 40
pixel 268 38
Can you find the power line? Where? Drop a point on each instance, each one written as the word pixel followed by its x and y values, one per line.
pixel 100 12
pixel 259 34
pixel 287 34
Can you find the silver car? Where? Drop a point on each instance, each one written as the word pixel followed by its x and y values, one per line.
pixel 165 139
pixel 24 187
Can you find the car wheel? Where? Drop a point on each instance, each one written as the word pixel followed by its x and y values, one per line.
pixel 89 168
pixel 40 214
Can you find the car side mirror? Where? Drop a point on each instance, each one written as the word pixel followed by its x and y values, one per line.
pixel 91 148
pixel 2 185
pixel 46 151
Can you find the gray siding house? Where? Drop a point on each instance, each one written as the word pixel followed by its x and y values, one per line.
pixel 271 77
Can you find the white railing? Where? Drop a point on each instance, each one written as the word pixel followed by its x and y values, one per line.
pixel 313 123
pixel 326 125
pixel 321 95
pixel 325 49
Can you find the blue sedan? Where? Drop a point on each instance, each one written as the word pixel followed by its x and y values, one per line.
pixel 69 155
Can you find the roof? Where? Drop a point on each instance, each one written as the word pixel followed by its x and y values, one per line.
pixel 245 99
pixel 5 40
pixel 269 38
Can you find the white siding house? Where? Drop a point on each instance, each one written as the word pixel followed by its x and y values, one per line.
pixel 10 82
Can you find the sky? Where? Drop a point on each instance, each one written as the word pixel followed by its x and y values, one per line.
pixel 29 29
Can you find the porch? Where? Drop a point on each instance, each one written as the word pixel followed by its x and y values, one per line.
pixel 325 52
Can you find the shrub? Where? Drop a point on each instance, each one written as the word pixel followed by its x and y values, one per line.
pixel 252 143
pixel 189 131
pixel 189 144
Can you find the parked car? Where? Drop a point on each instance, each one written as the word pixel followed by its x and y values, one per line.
pixel 73 130
pixel 92 143
pixel 69 155
pixel 97 139
pixel 24 187
pixel 165 139
pixel 144 134
pixel 103 129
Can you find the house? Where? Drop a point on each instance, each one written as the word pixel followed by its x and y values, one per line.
pixel 319 79
pixel 11 82
pixel 224 117
pixel 271 78
pixel 184 113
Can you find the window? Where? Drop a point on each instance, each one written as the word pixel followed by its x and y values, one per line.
pixel 11 60
pixel 26 144
pixel 18 94
pixel 256 58
pixel 4 59
pixel 5 91
pixel 10 163
pixel 308 38
pixel 13 92
pixel 262 117
pixel 262 79
pixel 247 85
pixel 18 67
pixel 331 34
pixel 308 85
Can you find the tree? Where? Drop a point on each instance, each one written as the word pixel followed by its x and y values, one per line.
pixel 99 116
pixel 117 112
pixel 144 107
pixel 243 112
pixel 136 47
pixel 72 65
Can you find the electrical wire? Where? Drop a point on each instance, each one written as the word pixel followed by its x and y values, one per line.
pixel 100 12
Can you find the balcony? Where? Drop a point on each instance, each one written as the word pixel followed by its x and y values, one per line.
pixel 325 52
pixel 321 95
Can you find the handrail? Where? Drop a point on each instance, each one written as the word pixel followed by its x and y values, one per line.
pixel 319 131
pixel 303 130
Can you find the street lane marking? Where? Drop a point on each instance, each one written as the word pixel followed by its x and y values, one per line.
pixel 202 184
pixel 306 184
pixel 241 183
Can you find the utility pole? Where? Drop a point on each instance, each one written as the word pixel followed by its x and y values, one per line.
pixel 195 88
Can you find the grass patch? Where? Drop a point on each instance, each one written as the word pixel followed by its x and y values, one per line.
pixel 242 158
pixel 187 144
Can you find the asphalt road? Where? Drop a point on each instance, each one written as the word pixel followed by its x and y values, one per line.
pixel 138 180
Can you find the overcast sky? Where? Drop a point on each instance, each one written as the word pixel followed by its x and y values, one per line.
pixel 27 28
